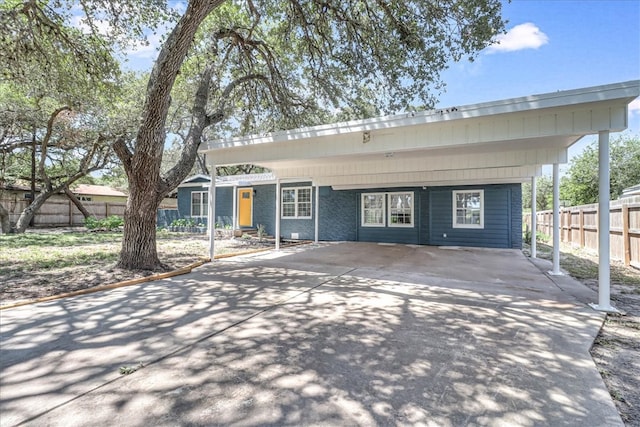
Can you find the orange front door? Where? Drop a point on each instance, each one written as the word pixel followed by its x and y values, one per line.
pixel 245 207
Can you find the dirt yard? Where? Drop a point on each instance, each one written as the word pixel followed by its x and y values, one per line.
pixel 51 262
pixel 43 264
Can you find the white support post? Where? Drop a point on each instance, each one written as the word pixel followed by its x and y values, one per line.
pixel 604 266
pixel 212 212
pixel 277 236
pixel 317 188
pixel 556 221
pixel 534 220
pixel 235 207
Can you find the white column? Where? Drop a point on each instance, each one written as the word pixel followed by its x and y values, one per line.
pixel 235 207
pixel 604 290
pixel 316 213
pixel 534 220
pixel 212 211
pixel 556 221
pixel 277 236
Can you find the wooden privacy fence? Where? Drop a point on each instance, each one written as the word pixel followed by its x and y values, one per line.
pixel 61 212
pixel 579 227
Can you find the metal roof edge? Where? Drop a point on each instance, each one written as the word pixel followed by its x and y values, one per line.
pixel 628 90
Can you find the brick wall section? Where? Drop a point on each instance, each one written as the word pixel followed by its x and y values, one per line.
pixel 338 214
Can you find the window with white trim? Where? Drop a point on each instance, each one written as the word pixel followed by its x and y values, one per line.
pixel 373 209
pixel 401 209
pixel 296 202
pixel 199 203
pixel 468 209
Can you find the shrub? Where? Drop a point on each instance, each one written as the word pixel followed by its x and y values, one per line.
pixel 110 223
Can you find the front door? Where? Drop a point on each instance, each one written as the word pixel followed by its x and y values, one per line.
pixel 245 207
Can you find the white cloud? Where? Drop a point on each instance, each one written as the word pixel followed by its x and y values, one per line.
pixel 148 49
pixel 634 107
pixel 520 37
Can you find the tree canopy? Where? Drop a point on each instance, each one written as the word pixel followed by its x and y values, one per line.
pixel 580 184
pixel 238 66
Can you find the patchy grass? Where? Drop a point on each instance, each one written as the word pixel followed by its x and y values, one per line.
pixel 583 265
pixel 48 262
pixel 28 240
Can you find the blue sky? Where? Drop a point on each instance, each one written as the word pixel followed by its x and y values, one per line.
pixel 554 45
pixel 550 45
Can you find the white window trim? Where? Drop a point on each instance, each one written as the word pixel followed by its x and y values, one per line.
pixel 455 210
pixel 412 207
pixel 203 206
pixel 384 209
pixel 296 203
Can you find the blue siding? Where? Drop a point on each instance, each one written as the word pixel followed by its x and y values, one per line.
pixel 304 227
pixel 338 216
pixel 224 206
pixel 264 207
pixel 500 218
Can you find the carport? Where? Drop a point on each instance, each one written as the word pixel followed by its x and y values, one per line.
pixel 505 141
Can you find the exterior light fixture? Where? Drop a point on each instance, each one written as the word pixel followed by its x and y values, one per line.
pixel 366 137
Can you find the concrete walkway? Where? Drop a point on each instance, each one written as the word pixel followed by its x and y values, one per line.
pixel 333 334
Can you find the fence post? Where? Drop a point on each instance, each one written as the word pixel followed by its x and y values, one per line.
pixel 581 225
pixel 106 209
pixel 626 243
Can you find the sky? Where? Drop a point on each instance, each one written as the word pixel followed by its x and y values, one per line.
pixel 554 45
pixel 550 45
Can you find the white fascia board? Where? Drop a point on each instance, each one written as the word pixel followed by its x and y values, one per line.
pixel 432 184
pixel 470 176
pixel 625 92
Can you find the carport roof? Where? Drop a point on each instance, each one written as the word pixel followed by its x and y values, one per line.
pixel 493 142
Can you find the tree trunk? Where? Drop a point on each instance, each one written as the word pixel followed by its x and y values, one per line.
pixel 77 202
pixel 5 225
pixel 139 247
pixel 29 212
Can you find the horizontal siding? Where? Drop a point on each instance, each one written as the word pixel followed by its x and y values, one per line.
pixel 224 206
pixel 304 227
pixel 498 215
pixel 264 207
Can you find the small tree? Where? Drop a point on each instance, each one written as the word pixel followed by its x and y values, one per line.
pixel 544 193
pixel 580 185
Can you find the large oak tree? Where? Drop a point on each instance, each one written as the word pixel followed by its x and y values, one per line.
pixel 265 65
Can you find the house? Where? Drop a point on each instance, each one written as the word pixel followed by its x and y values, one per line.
pixel 487 216
pixel 98 193
pixel 441 177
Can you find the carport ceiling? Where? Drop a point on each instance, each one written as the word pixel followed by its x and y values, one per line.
pixel 495 142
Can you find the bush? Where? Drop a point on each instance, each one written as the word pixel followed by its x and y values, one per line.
pixel 110 223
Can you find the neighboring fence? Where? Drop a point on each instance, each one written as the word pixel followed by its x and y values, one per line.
pixel 61 212
pixel 579 227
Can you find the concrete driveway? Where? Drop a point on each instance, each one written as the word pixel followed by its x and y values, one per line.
pixel 329 334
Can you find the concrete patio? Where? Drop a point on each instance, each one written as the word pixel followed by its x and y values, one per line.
pixel 328 334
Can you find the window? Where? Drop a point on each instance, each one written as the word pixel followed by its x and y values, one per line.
pixel 296 202
pixel 199 203
pixel 400 209
pixel 84 198
pixel 398 205
pixel 373 209
pixel 468 209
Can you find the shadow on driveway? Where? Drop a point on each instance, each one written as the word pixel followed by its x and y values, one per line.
pixel 333 334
